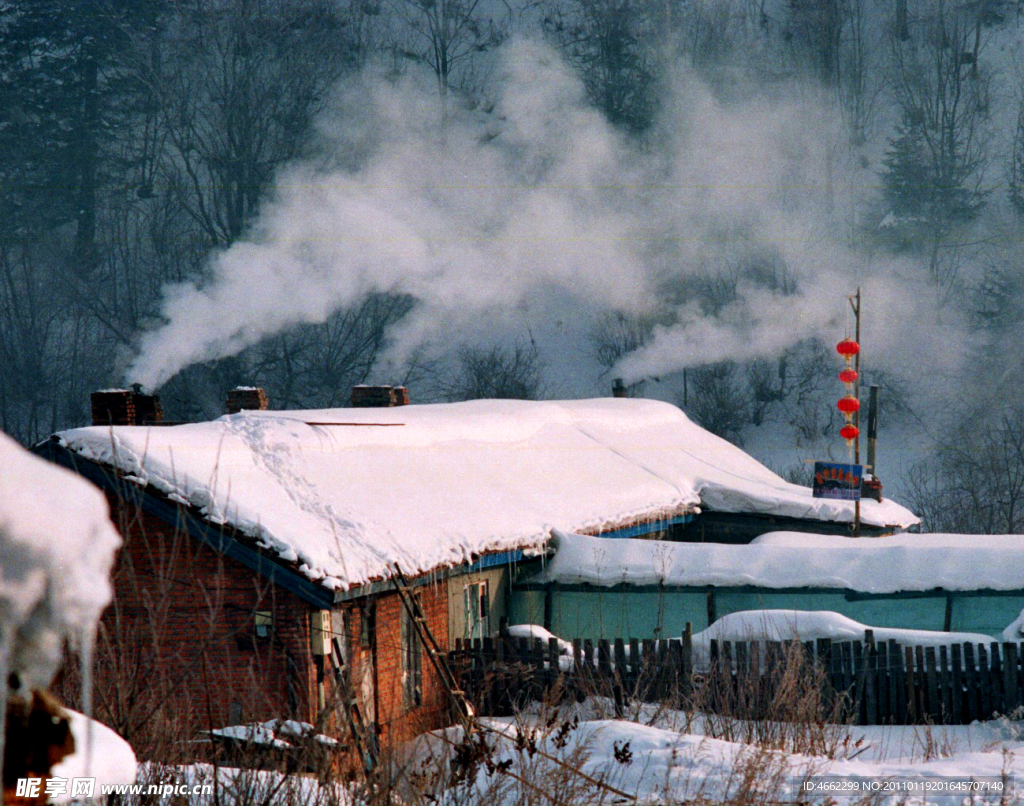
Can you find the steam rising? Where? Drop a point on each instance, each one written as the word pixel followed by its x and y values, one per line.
pixel 478 215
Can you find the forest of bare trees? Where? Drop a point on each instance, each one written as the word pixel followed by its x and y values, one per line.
pixel 139 137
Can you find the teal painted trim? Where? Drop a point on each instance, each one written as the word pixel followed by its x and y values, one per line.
pixel 499 558
pixel 850 595
pixel 496 560
pixel 646 528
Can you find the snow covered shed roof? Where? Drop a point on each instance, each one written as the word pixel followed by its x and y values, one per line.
pixel 346 492
pixel 902 562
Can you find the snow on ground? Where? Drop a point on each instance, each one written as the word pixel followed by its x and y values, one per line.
pixel 658 756
pixel 532 631
pixel 346 492
pixel 903 562
pixel 99 752
pixel 275 733
pixel 230 786
pixel 660 764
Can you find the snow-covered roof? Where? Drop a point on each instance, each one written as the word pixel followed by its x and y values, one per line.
pixel 346 492
pixel 902 562
pixel 810 625
pixel 57 547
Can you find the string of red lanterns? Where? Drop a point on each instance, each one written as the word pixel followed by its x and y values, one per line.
pixel 848 405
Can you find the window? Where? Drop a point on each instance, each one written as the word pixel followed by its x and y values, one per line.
pixel 264 622
pixel 368 624
pixel 476 603
pixel 412 663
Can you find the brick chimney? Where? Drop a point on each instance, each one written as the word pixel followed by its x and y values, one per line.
pixel 619 388
pixel 379 397
pixel 125 407
pixel 246 398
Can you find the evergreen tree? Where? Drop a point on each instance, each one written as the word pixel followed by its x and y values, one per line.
pixel 63 70
pixel 613 44
pixel 923 187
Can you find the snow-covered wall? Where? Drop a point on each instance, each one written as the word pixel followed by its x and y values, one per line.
pixel 903 562
pixel 346 492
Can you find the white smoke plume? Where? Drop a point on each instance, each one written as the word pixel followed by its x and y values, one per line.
pixel 479 214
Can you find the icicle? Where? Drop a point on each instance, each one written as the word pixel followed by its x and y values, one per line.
pixel 87 640
pixel 5 654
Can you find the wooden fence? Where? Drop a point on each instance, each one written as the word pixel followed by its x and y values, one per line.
pixel 866 682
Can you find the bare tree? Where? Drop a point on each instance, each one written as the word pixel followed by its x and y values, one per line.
pixel 975 484
pixel 718 400
pixel 1015 169
pixel 514 373
pixel 447 34
pixel 239 89
pixel 616 334
pixel 936 162
pixel 613 44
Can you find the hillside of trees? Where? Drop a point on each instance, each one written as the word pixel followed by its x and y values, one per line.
pixel 138 138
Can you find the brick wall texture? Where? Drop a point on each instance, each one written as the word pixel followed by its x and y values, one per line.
pixel 180 645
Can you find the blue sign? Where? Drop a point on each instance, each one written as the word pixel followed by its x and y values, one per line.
pixel 835 480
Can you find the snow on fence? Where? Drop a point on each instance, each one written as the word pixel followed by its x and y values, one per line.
pixel 865 682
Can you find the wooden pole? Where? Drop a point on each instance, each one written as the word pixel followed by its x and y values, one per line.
pixel 855 304
pixel 873 429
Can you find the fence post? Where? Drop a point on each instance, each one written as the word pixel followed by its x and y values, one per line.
pixel 859 677
pixel 971 684
pixel 687 661
pixel 930 678
pixel 870 679
pixel 488 697
pixel 647 674
pixel 998 699
pixel 909 674
pixel 945 690
pixel 885 709
pixel 956 685
pixel 676 680
pixel 985 694
pixel 604 662
pixel 1010 686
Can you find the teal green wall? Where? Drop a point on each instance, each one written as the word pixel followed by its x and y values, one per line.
pixel 986 614
pixel 600 613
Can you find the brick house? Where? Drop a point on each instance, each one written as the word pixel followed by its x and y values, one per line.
pixel 252 538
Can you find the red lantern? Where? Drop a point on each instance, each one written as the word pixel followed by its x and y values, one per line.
pixel 848 404
pixel 848 375
pixel 847 348
pixel 849 432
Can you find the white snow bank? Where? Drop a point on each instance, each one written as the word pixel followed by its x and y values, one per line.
pixel 274 733
pixel 208 785
pixel 1015 631
pixel 57 547
pixel 810 625
pixel 346 492
pixel 904 562
pixel 532 631
pixel 656 765
pixel 99 753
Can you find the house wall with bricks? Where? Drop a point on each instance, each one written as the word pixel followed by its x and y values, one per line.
pixel 182 634
pixel 375 657
pixel 182 638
